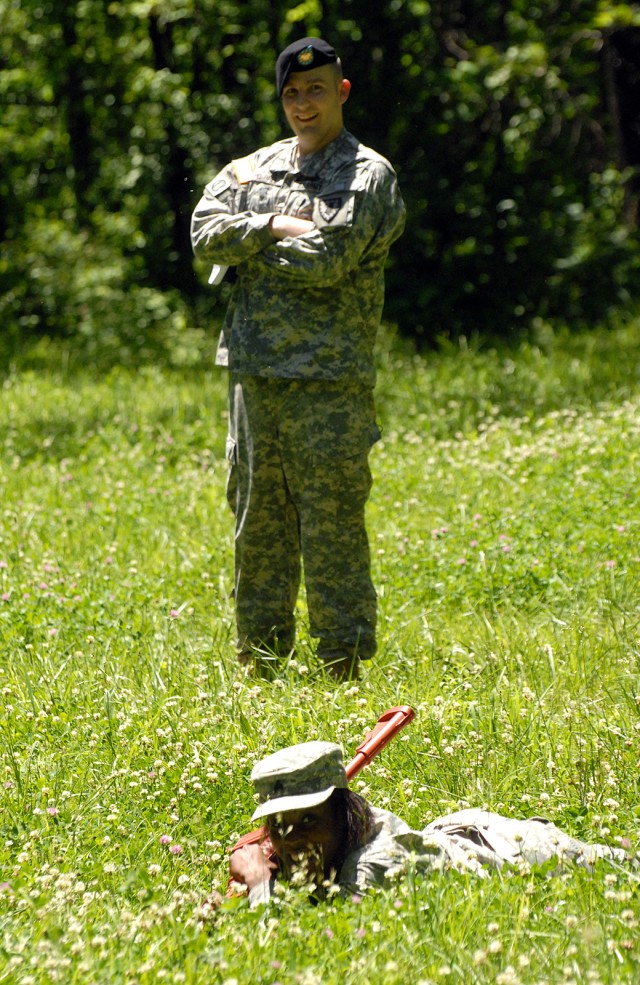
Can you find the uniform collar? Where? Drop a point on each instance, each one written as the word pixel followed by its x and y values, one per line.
pixel 287 157
pixel 312 164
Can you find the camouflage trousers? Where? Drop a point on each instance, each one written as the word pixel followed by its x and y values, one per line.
pixel 298 483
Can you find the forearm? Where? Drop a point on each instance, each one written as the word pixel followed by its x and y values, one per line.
pixel 229 239
pixel 307 261
pixel 329 250
pixel 289 226
pixel 250 867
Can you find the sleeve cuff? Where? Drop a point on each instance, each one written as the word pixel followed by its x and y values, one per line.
pixel 265 236
pixel 260 894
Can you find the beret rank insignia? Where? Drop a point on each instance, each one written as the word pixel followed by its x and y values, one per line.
pixel 305 57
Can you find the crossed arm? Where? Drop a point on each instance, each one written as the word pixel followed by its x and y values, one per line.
pixel 281 226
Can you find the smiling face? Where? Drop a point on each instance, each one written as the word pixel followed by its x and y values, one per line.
pixel 313 835
pixel 312 103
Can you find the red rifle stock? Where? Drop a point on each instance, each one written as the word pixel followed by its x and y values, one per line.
pixel 386 728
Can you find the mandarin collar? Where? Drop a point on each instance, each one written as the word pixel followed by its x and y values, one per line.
pixel 312 164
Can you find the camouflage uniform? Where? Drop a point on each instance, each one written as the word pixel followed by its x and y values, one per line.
pixel 300 777
pixel 473 840
pixel 298 341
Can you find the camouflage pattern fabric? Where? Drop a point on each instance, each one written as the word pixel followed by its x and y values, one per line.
pixel 472 840
pixel 308 306
pixel 298 338
pixel 298 484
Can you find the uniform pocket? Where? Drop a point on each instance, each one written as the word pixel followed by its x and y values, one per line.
pixel 336 421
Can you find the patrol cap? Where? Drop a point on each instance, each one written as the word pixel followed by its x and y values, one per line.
pixel 302 55
pixel 298 777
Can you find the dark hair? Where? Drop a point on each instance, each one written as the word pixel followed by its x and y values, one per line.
pixel 353 816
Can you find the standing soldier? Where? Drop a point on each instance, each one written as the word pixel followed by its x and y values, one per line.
pixel 307 223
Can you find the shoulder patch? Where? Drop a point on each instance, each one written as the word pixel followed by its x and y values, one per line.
pixel 218 185
pixel 244 169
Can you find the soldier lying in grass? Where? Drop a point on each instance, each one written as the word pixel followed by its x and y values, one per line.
pixel 331 836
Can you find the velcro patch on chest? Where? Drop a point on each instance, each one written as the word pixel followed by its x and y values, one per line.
pixel 334 209
pixel 244 169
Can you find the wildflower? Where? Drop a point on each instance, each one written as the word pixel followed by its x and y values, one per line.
pixel 361 932
pixel 174 613
pixel 164 839
pixel 507 977
pixel 176 849
pixel 328 933
pixel 53 811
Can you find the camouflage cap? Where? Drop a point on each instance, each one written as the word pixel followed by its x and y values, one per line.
pixel 298 777
pixel 302 55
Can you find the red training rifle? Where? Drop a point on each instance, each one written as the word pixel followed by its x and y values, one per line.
pixel 386 729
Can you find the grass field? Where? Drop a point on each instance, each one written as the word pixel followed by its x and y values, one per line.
pixel 506 543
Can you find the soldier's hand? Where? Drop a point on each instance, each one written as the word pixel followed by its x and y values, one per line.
pixel 282 226
pixel 250 866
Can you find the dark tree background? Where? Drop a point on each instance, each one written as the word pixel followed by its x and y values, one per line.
pixel 514 128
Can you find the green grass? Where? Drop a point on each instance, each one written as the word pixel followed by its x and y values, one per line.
pixel 506 544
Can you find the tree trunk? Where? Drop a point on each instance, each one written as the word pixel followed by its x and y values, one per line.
pixel 621 62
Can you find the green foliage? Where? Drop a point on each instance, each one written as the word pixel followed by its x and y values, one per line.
pixel 497 117
pixel 504 530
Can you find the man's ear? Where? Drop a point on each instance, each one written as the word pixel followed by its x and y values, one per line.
pixel 345 89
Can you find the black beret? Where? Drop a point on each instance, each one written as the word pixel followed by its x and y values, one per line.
pixel 301 56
